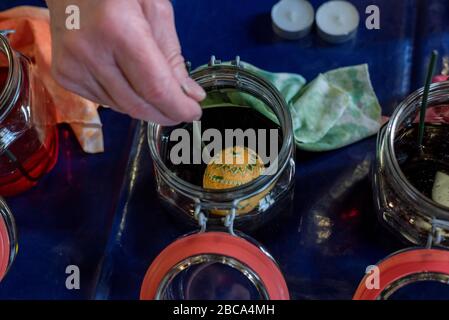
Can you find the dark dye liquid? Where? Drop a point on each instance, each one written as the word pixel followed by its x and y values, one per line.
pixel 220 118
pixel 35 151
pixel 420 165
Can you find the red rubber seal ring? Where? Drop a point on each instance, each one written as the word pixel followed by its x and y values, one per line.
pixel 403 265
pixel 4 248
pixel 218 243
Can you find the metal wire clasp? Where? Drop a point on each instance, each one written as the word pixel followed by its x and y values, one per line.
pixel 228 220
pixel 435 236
pixel 200 217
pixel 213 61
pixel 7 32
pixel 236 62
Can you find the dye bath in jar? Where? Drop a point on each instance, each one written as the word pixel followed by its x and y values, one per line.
pixel 421 165
pixel 259 210
pixel 220 118
pixel 34 152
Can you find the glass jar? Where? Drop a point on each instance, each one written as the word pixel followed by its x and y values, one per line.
pixel 8 239
pixel 408 183
pixel 28 134
pixel 407 178
pixel 219 262
pixel 268 195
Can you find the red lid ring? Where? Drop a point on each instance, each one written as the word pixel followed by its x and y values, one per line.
pixel 217 243
pixel 402 265
pixel 5 250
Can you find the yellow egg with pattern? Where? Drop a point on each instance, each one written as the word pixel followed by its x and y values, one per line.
pixel 234 167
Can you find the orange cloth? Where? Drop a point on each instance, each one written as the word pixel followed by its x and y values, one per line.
pixel 32 38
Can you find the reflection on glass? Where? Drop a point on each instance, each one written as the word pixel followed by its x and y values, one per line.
pixel 422 290
pixel 211 281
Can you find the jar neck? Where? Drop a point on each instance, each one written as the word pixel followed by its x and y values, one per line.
pixel 11 87
pixel 216 77
pixel 405 114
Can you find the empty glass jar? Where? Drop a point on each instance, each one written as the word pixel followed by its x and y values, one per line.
pixel 28 135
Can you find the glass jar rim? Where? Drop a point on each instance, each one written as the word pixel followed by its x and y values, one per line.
pixel 406 267
pixel 405 109
pixel 247 190
pixel 11 233
pixel 248 257
pixel 11 88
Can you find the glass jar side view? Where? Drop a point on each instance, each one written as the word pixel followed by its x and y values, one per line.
pixel 8 239
pixel 236 98
pixel 409 181
pixel 28 136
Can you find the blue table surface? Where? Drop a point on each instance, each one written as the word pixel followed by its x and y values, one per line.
pixel 101 212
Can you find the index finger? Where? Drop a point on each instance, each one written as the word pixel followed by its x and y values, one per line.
pixel 150 75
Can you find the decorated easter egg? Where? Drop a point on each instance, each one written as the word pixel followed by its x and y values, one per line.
pixel 234 167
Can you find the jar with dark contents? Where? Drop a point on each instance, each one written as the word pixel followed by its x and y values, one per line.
pixel 222 187
pixel 8 239
pixel 237 99
pixel 411 182
pixel 240 184
pixel 28 134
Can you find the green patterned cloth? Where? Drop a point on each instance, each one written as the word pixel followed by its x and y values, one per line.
pixel 336 109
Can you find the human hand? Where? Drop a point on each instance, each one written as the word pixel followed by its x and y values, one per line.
pixel 125 55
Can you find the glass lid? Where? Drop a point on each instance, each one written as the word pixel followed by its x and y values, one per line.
pixel 214 266
pixel 414 274
pixel 8 241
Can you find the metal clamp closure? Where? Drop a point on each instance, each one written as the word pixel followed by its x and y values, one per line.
pixel 7 32
pixel 435 236
pixel 202 218
pixel 215 62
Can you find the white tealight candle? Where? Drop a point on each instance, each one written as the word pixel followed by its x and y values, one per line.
pixel 292 19
pixel 337 21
